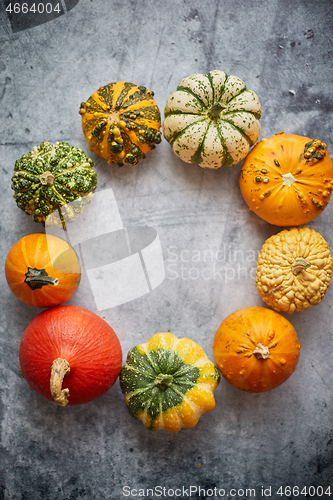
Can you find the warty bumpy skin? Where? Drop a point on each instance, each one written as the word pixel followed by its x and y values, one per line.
pixel 52 176
pixel 294 270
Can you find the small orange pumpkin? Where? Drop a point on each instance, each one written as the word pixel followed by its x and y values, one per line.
pixel 287 180
pixel 256 349
pixel 42 270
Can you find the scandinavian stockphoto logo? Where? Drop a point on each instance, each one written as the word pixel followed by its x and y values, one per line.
pixel 122 263
pixel 25 14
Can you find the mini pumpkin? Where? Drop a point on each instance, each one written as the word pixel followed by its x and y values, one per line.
pixel 256 349
pixel 42 270
pixel 287 180
pixel 52 177
pixel 212 119
pixel 69 355
pixel 168 382
pixel 121 122
pixel 294 269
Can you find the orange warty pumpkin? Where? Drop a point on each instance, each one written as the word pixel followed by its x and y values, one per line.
pixel 287 180
pixel 42 270
pixel 121 122
pixel 256 349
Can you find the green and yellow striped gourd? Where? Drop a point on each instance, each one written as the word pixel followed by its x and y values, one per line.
pixel 168 382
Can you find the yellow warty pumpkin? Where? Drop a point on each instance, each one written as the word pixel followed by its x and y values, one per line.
pixel 294 270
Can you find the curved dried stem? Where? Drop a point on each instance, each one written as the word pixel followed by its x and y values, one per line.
pixel 60 367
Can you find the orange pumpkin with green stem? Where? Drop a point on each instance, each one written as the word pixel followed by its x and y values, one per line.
pixel 256 349
pixel 287 180
pixel 42 270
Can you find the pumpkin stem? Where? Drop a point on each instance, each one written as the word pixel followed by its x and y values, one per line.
pixel 261 351
pixel 299 264
pixel 60 367
pixel 163 381
pixel 288 179
pixel 47 178
pixel 215 111
pixel 37 278
pixel 113 117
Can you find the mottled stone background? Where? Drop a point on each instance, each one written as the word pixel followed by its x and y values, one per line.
pixel 282 49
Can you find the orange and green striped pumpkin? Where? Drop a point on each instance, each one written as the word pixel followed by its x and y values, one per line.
pixel 121 122
pixel 168 382
pixel 42 270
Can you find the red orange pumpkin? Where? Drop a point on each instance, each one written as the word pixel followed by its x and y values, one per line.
pixel 70 355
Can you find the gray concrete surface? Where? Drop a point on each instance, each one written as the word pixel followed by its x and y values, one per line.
pixel 283 51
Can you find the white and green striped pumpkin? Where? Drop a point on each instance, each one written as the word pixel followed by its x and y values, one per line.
pixel 212 119
pixel 168 382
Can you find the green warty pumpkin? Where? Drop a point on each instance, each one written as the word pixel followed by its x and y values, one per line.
pixel 51 176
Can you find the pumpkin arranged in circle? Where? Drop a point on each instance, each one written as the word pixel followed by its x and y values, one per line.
pixel 70 355
pixel 212 119
pixel 287 180
pixel 256 349
pixel 168 382
pixel 53 177
pixel 42 270
pixel 121 122
pixel 294 270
